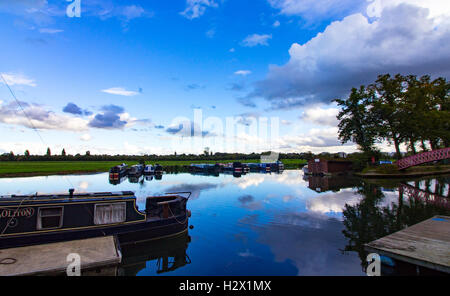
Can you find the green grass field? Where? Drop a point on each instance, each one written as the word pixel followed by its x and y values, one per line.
pixel 18 168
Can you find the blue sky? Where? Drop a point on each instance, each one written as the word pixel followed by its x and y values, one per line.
pixel 115 79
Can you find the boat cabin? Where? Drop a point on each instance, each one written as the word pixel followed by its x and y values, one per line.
pixel 37 219
pixel 136 169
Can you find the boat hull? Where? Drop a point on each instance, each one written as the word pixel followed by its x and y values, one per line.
pixel 126 233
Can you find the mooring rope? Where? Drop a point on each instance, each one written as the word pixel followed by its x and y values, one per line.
pixel 10 219
pixel 182 223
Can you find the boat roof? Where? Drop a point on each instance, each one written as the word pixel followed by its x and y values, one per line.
pixel 77 196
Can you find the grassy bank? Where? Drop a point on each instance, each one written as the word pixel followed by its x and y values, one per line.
pixel 35 168
pixel 391 171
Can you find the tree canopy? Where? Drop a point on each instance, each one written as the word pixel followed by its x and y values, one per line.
pixel 400 110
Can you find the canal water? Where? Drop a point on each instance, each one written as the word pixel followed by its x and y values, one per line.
pixel 265 224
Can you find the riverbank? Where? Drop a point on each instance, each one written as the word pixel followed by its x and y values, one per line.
pixel 45 168
pixel 419 171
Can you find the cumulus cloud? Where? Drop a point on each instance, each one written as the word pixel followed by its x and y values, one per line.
pixel 17 79
pixel 316 137
pixel 403 39
pixel 72 108
pixel 321 116
pixel 256 39
pixel 109 118
pixel 120 91
pixel 196 8
pixel 38 117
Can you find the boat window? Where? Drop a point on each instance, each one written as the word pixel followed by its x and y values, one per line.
pixel 110 213
pixel 50 218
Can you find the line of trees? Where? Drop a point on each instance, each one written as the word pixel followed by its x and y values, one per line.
pixel 151 157
pixel 400 110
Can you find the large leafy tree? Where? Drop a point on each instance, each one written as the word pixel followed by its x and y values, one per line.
pixel 387 109
pixel 355 122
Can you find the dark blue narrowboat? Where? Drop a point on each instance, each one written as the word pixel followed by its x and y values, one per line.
pixel 38 219
pixel 276 166
pixel 136 170
pixel 117 172
pixel 158 169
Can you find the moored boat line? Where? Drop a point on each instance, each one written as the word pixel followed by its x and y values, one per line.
pixel 237 167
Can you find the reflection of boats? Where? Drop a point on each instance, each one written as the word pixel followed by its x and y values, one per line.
pixel 149 169
pixel 169 254
pixel 135 178
pixel 158 169
pixel 136 170
pixel 117 172
pixel 215 174
pixel 276 166
pixel 117 181
pixel 233 167
pixel 39 219
pixel 148 178
pixel 334 183
pixel 205 167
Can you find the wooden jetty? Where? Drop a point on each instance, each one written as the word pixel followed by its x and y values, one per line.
pixel 50 259
pixel 426 244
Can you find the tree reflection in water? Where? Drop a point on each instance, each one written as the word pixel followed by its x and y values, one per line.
pixel 370 219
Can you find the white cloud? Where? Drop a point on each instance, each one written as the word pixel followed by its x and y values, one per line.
pixel 120 91
pixel 85 137
pixel 133 11
pixel 333 203
pixel 317 9
pixel 276 24
pixel 17 79
pixel 351 52
pixel 243 72
pixel 196 8
pixel 437 8
pixel 256 39
pixel 50 31
pixel 232 50
pixel 321 116
pixel 36 116
pixel 316 140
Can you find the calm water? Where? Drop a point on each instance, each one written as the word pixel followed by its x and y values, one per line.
pixel 262 224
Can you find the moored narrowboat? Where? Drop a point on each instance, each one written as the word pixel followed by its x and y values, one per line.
pixel 117 172
pixel 158 169
pixel 39 219
pixel 136 170
pixel 276 166
pixel 149 170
